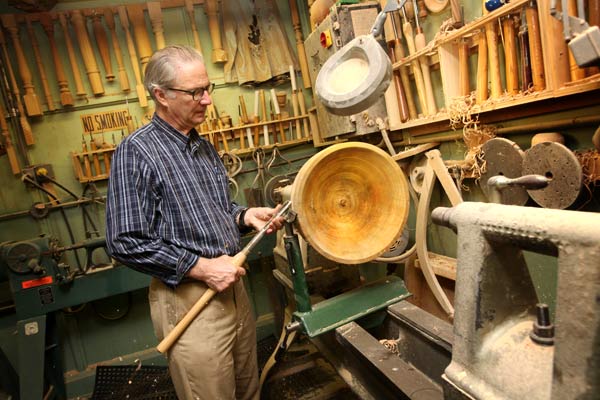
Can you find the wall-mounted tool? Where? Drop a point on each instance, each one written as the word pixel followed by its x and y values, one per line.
pixel 416 66
pixel 238 260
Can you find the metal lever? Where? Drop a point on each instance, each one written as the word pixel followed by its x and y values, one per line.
pixel 529 182
pixel 392 5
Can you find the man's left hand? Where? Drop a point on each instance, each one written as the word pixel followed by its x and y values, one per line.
pixel 257 217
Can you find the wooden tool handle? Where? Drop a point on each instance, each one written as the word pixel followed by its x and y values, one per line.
pixel 510 56
pixel 66 99
pixel 525 60
pixel 398 52
pixel 155 13
pixel 32 104
pixel 243 110
pixel 417 72
pixel 300 44
pixel 219 55
pixel 10 149
pixel 139 87
pixel 79 90
pixel 463 68
pixel 102 41
pixel 189 9
pixel 420 44
pixel 491 35
pixel 481 94
pixel 89 59
pixel 109 18
pixel 296 111
pixel 40 64
pixel 171 338
pixel 535 48
pixel 402 101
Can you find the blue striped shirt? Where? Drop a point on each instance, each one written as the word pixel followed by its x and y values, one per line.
pixel 168 203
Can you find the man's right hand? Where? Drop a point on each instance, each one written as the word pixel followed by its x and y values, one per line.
pixel 218 273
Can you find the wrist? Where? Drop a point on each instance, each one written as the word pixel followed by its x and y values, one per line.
pixel 242 220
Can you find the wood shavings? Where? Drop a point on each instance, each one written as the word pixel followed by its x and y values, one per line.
pixel 391 345
pixel 590 164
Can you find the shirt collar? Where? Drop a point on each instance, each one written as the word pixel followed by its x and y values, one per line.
pixel 191 141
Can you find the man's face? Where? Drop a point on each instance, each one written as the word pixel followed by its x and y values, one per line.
pixel 181 109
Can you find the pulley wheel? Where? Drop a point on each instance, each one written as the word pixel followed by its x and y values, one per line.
pixel 272 195
pixel 417 172
pixel 351 201
pixel 557 162
pixel 503 157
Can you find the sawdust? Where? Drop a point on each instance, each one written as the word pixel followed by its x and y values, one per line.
pixel 464 111
pixel 590 164
pixel 391 345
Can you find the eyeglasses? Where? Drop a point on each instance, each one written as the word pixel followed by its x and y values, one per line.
pixel 197 93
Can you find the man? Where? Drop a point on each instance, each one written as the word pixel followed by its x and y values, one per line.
pixel 169 214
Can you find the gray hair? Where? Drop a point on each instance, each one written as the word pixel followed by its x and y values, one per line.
pixel 160 70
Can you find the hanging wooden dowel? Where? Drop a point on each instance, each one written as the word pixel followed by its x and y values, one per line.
pixel 300 44
pixel 189 9
pixel 40 64
pixel 463 68
pixel 218 55
pixel 302 104
pixel 30 98
pixel 102 41
pixel 79 90
pixel 8 145
pixel 110 22
pixel 140 33
pixel 25 127
pixel 66 99
pixel 87 53
pixel 155 13
pixel 481 90
pixel 139 87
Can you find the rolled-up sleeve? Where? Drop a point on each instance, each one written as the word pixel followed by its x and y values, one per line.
pixel 131 206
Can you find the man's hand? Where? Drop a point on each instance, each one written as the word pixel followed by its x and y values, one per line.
pixel 218 273
pixel 257 217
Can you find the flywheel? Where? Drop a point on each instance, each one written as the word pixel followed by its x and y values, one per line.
pixel 352 202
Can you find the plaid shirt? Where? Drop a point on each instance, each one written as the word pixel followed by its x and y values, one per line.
pixel 168 203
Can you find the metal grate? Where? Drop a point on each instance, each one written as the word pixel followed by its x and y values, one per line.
pixel 133 382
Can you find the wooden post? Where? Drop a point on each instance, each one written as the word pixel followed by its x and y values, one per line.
pixel 79 90
pixel 66 99
pixel 110 22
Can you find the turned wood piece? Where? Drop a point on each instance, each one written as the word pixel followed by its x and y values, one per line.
pixel 66 98
pixel 481 89
pixel 155 13
pixel 189 9
pixel 40 64
pixel 87 53
pixel 535 48
pixel 463 68
pixel 8 144
pixel 139 87
pixel 102 41
pixel 25 127
pixel 300 44
pixel 79 90
pixel 140 33
pixel 510 55
pixel 30 98
pixel 219 55
pixel 352 202
pixel 110 22
pixel 302 104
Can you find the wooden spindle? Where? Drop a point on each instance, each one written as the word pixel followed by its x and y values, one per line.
pixel 79 90
pixel 102 41
pixel 87 53
pixel 140 33
pixel 218 55
pixel 155 14
pixel 66 99
pixel 40 64
pixel 139 87
pixel 189 9
pixel 110 22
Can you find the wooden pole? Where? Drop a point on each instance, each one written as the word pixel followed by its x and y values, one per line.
pixel 30 98
pixel 304 70
pixel 89 59
pixel 155 13
pixel 66 99
pixel 139 87
pixel 510 55
pixel 102 41
pixel 189 9
pixel 79 90
pixel 219 55
pixel 110 22
pixel 40 64
pixel 26 128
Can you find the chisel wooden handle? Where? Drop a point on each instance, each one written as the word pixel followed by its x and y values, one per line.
pixel 420 44
pixel 10 149
pixel 402 98
pixel 219 55
pixel 510 56
pixel 525 59
pixel 189 9
pixel 155 13
pixel 399 54
pixel 491 35
pixel 535 47
pixel 102 42
pixel 30 98
pixel 481 93
pixel 79 89
pixel 109 18
pixel 25 127
pixel 417 72
pixel 463 68
pixel 40 64
pixel 139 86
pixel 66 99
pixel 89 59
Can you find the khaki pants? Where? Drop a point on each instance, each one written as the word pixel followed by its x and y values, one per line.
pixel 215 358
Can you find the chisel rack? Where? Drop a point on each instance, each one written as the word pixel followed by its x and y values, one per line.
pixel 93 165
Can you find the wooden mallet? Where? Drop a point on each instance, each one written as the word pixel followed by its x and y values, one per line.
pixel 238 261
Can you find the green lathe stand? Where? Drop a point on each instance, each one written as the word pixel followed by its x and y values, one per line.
pixel 339 310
